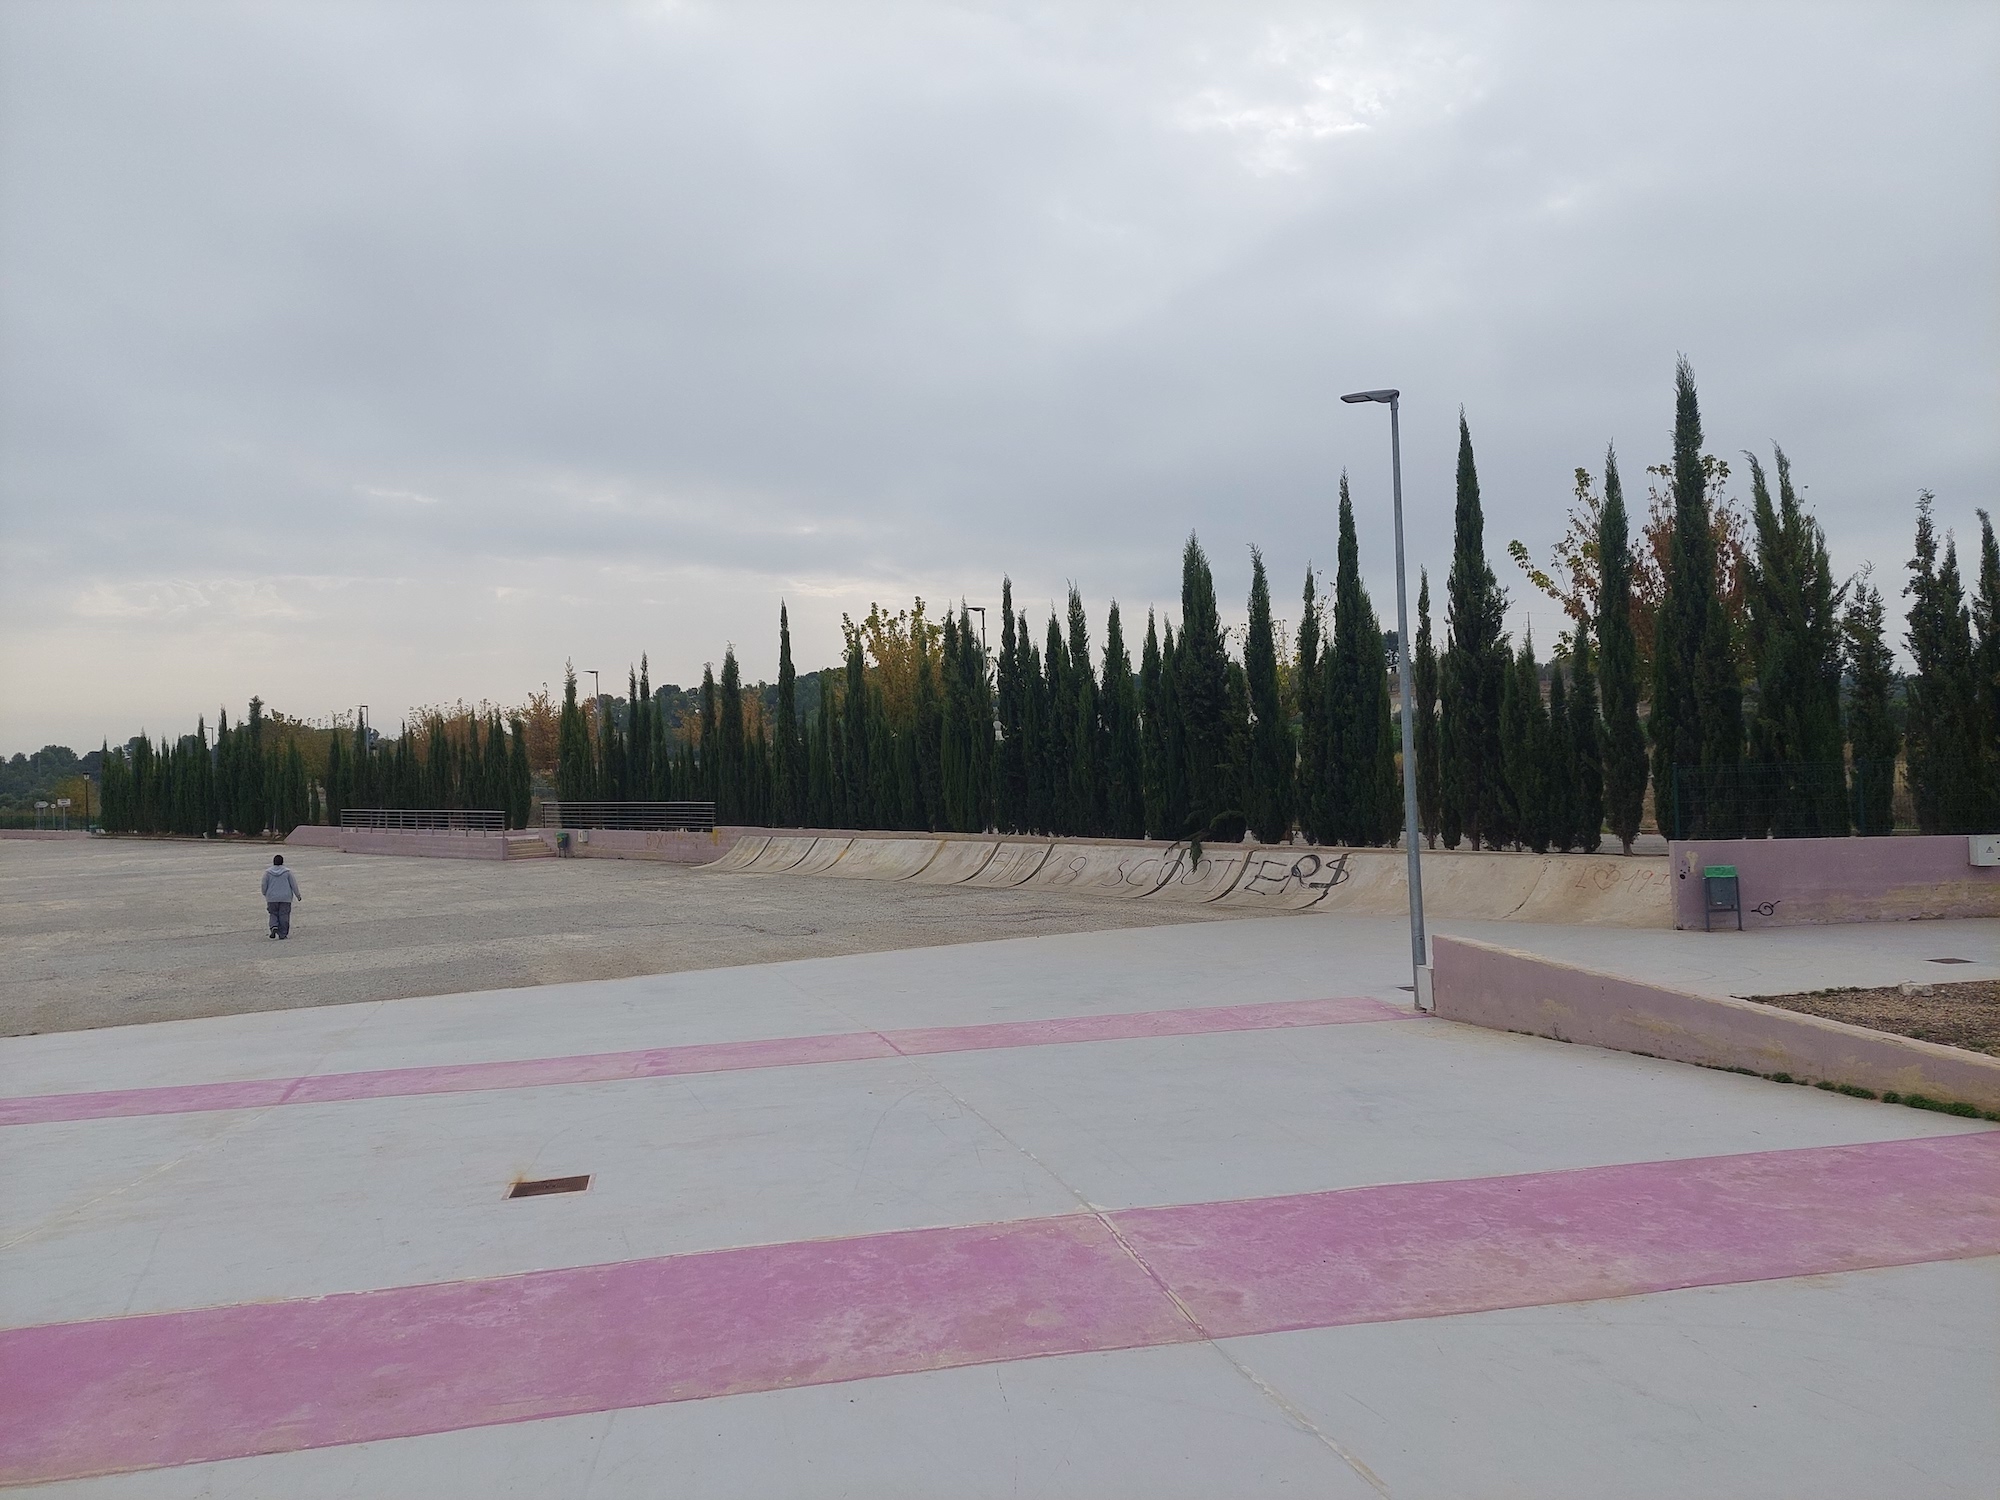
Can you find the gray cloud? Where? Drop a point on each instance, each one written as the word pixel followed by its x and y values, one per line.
pixel 395 353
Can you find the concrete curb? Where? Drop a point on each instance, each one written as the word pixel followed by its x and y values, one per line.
pixel 1487 985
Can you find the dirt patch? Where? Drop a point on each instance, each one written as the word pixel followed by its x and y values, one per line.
pixel 1966 1014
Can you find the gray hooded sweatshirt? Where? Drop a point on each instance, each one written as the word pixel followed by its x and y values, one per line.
pixel 279 885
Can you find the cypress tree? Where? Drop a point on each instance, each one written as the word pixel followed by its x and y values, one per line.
pixel 1586 741
pixel 732 780
pixel 1986 664
pixel 1058 730
pixel 823 773
pixel 1267 795
pixel 1524 738
pixel 336 781
pixel 1697 720
pixel 1942 738
pixel 1124 774
pixel 1086 763
pixel 1011 788
pixel 1618 666
pixel 788 770
pixel 1360 783
pixel 958 792
pixel 1871 729
pixel 1559 769
pixel 573 776
pixel 858 790
pixel 520 778
pixel 978 675
pixel 933 727
pixel 1153 734
pixel 883 799
pixel 1794 635
pixel 1036 813
pixel 1309 776
pixel 1476 663
pixel 1179 815
pixel 1201 685
pixel 1230 826
pixel 1424 672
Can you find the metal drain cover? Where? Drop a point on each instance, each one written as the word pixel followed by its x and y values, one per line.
pixel 543 1186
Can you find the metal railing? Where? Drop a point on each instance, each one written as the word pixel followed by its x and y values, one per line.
pixel 695 816
pixel 456 820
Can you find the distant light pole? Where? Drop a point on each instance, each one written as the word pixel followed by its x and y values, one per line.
pixel 1419 949
pixel 980 610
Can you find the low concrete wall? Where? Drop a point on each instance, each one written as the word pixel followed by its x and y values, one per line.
pixel 1511 991
pixel 422 843
pixel 668 846
pixel 44 833
pixel 1812 882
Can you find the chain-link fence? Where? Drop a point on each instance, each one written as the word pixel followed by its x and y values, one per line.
pixel 1787 801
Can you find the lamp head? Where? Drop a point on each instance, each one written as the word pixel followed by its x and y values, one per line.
pixel 1383 396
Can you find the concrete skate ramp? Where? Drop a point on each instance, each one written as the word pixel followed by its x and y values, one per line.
pixel 1101 870
pixel 958 861
pixel 742 854
pixel 1177 878
pixel 781 852
pixel 821 857
pixel 1572 889
pixel 1013 864
pixel 885 859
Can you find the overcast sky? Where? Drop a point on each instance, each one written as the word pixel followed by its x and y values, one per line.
pixel 396 354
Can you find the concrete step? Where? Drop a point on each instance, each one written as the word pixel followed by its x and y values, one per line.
pixel 525 846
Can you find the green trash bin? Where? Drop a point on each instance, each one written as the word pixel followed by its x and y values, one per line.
pixel 1721 893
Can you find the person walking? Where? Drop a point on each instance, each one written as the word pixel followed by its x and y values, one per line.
pixel 281 889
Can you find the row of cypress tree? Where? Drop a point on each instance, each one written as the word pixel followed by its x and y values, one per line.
pixel 1778 720
pixel 241 784
pixel 251 783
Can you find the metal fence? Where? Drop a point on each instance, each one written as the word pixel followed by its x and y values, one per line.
pixel 1798 801
pixel 695 816
pixel 457 820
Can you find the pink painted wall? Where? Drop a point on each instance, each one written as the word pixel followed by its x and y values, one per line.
pixel 1511 991
pixel 1810 882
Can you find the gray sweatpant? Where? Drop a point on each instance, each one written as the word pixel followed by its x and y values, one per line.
pixel 281 917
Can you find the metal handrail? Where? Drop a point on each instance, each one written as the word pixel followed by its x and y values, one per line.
pixel 694 816
pixel 453 820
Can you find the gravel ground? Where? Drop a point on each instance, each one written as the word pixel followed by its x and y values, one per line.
pixel 1958 1015
pixel 107 932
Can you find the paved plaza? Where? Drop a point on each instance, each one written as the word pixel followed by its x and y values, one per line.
pixel 1192 1209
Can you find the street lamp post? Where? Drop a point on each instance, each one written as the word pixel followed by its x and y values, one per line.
pixel 980 610
pixel 1419 949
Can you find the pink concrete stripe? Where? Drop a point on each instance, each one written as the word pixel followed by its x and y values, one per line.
pixel 132 1393
pixel 1428 1249
pixel 667 1062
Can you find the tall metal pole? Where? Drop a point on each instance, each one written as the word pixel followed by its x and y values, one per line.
pixel 1419 949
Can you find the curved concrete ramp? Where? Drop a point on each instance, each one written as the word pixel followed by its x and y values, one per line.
pixel 1571 889
pixel 1288 879
pixel 1101 869
pixel 781 853
pixel 821 857
pixel 957 862
pixel 1602 890
pixel 1179 879
pixel 885 859
pixel 741 854
pixel 1013 864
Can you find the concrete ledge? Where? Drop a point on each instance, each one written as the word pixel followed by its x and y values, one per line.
pixel 1487 985
pixel 44 833
pixel 1812 882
